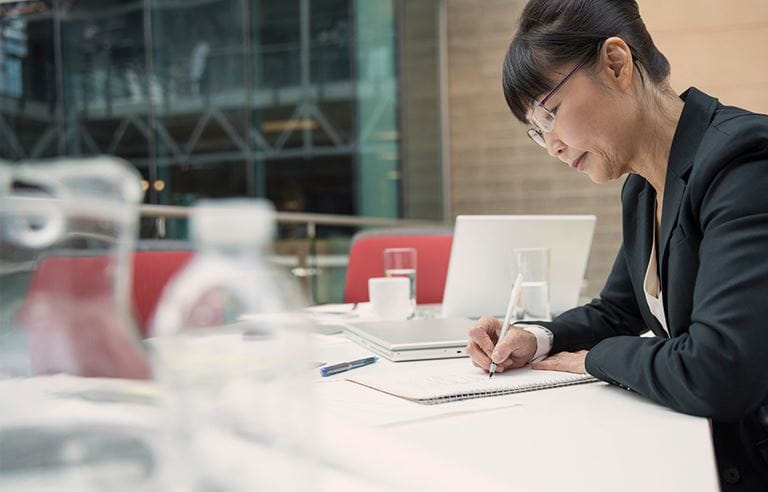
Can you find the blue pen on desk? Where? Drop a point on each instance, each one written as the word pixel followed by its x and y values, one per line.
pixel 346 366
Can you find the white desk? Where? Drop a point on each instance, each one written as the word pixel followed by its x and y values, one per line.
pixel 587 437
pixel 592 437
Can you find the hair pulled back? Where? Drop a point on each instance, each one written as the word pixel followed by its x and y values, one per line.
pixel 554 33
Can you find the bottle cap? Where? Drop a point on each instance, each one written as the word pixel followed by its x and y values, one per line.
pixel 233 222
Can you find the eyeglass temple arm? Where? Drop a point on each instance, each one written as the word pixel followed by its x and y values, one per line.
pixel 562 82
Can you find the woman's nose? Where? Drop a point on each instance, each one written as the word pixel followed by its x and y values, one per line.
pixel 555 146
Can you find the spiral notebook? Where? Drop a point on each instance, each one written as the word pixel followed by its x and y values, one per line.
pixel 459 380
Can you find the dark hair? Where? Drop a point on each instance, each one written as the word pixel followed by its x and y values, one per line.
pixel 553 33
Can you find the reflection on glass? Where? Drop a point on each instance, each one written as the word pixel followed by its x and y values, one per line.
pixel 222 89
pixel 29 125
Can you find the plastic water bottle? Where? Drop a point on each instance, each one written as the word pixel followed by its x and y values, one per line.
pixel 232 357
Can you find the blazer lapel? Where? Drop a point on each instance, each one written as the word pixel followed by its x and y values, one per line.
pixel 643 228
pixel 673 194
pixel 694 121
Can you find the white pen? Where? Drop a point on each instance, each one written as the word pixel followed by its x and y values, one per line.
pixel 508 317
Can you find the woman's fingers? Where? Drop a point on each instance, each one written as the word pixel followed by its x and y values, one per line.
pixel 478 356
pixel 518 345
pixel 511 363
pixel 484 346
pixel 484 334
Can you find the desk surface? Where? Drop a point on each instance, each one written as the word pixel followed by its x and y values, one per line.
pixel 585 437
pixel 592 437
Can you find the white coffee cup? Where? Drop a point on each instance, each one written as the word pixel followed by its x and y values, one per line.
pixel 390 297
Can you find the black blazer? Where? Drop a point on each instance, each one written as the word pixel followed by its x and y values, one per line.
pixel 713 267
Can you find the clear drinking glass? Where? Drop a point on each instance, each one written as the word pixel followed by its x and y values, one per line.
pixel 533 263
pixel 401 262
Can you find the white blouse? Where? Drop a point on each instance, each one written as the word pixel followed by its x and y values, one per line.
pixel 652 285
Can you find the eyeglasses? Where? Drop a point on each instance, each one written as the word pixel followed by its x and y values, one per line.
pixel 544 119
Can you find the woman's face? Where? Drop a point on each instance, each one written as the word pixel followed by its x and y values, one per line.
pixel 593 126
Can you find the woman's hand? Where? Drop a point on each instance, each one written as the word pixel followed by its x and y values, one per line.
pixel 564 361
pixel 516 350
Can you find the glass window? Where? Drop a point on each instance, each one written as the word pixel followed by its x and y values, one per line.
pixel 294 100
pixel 29 121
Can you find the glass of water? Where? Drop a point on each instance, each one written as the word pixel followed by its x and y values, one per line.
pixel 401 262
pixel 533 263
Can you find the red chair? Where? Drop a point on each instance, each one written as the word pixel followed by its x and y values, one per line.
pixel 72 323
pixel 69 312
pixel 152 269
pixel 433 249
pixel 154 263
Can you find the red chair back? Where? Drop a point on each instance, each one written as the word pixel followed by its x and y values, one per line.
pixel 366 260
pixel 151 272
pixel 77 276
pixel 73 324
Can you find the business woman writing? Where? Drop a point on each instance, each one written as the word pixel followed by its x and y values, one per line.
pixel 693 266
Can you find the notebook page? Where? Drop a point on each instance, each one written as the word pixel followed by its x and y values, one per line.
pixel 459 380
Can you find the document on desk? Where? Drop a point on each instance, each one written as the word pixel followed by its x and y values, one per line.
pixel 459 380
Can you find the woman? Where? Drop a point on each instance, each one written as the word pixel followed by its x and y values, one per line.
pixel 693 266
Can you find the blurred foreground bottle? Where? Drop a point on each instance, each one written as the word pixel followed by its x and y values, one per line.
pixel 232 356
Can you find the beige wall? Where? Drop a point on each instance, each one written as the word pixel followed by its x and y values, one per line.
pixel 420 109
pixel 718 46
pixel 494 168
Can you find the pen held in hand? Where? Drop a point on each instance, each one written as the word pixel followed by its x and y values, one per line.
pixel 514 296
pixel 346 366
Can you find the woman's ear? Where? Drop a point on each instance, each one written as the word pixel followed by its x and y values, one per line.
pixel 616 61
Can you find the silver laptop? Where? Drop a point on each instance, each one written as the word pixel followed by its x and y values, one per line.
pixel 480 270
pixel 419 339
